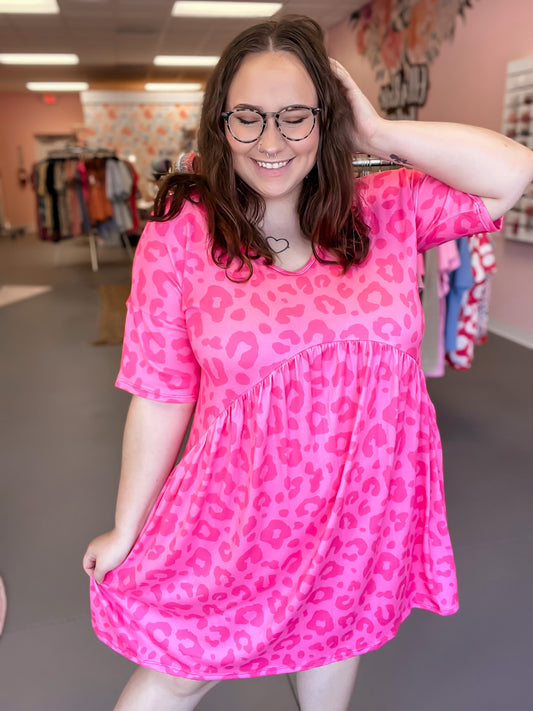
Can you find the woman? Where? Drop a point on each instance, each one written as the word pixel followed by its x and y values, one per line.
pixel 306 517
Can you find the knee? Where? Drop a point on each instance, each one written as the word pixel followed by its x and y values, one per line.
pixel 188 688
pixel 147 688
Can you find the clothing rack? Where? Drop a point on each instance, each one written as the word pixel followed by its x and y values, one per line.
pixel 75 152
pixel 370 162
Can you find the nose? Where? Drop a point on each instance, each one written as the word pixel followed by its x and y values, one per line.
pixel 271 140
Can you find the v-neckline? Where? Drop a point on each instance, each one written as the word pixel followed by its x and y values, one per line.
pixel 306 266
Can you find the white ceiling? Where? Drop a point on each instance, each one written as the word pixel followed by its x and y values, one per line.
pixel 117 40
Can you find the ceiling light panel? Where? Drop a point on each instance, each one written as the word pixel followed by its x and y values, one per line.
pixel 170 60
pixel 57 86
pixel 184 86
pixel 30 7
pixel 206 8
pixel 35 58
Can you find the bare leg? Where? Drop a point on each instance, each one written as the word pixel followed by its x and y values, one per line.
pixel 328 687
pixel 149 690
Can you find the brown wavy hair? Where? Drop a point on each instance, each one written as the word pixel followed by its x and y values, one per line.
pixel 329 214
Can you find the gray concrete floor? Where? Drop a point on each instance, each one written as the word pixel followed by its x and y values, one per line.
pixel 60 432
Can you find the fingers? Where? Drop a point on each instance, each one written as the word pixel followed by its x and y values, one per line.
pixel 342 73
pixel 89 563
pixel 105 553
pixel 336 66
pixel 99 576
pixel 91 567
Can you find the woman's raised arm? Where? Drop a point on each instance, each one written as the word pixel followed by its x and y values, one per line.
pixel 471 159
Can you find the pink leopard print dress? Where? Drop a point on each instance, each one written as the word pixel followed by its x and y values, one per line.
pixel 306 517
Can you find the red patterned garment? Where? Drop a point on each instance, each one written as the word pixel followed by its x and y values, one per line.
pixel 473 317
pixel 307 516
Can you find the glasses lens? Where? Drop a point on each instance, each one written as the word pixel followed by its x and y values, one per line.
pixel 245 125
pixel 296 122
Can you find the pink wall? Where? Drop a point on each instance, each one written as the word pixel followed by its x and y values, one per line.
pixel 24 116
pixel 340 44
pixel 466 84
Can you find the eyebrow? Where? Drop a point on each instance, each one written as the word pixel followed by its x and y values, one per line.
pixel 247 106
pixel 260 108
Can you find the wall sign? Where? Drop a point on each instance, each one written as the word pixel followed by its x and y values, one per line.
pixel 406 91
pixel 400 39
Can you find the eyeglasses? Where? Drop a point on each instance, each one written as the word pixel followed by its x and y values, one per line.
pixel 294 122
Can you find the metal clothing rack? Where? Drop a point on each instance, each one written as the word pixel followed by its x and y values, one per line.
pixel 70 152
pixel 76 151
pixel 372 163
pixel 93 249
pixel 365 164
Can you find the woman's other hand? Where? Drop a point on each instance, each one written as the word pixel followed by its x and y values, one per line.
pixel 367 120
pixel 105 553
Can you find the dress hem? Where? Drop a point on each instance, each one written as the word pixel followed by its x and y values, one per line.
pixel 149 664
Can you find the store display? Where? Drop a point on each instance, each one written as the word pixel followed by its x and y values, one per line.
pixel 518 125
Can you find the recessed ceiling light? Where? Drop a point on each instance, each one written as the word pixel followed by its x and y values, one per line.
pixel 57 86
pixel 23 7
pixel 184 86
pixel 170 60
pixel 205 8
pixel 34 58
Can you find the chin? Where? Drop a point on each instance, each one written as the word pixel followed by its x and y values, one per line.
pixel 272 191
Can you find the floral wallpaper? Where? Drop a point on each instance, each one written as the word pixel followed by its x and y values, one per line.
pixel 154 133
pixel 396 35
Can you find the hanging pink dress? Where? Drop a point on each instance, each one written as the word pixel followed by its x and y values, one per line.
pixel 306 517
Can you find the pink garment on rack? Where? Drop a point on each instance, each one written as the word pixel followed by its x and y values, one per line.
pixel 307 516
pixel 473 315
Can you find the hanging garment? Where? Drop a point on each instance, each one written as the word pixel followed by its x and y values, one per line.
pixel 53 226
pixel 483 311
pixel 60 185
pixel 421 268
pixel 43 202
pixel 461 281
pixel 73 200
pixel 82 192
pixel 118 184
pixel 109 233
pixel 99 206
pixel 433 353
pixel 431 308
pixel 71 197
pixel 133 196
pixel 472 317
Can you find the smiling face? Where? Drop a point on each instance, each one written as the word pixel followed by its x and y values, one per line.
pixel 271 81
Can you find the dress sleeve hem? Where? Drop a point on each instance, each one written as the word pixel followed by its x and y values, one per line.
pixel 149 394
pixel 489 224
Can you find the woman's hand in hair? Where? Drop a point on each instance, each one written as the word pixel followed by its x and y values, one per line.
pixel 367 120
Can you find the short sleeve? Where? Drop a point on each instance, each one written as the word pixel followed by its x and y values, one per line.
pixel 157 359
pixel 406 204
pixel 443 213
